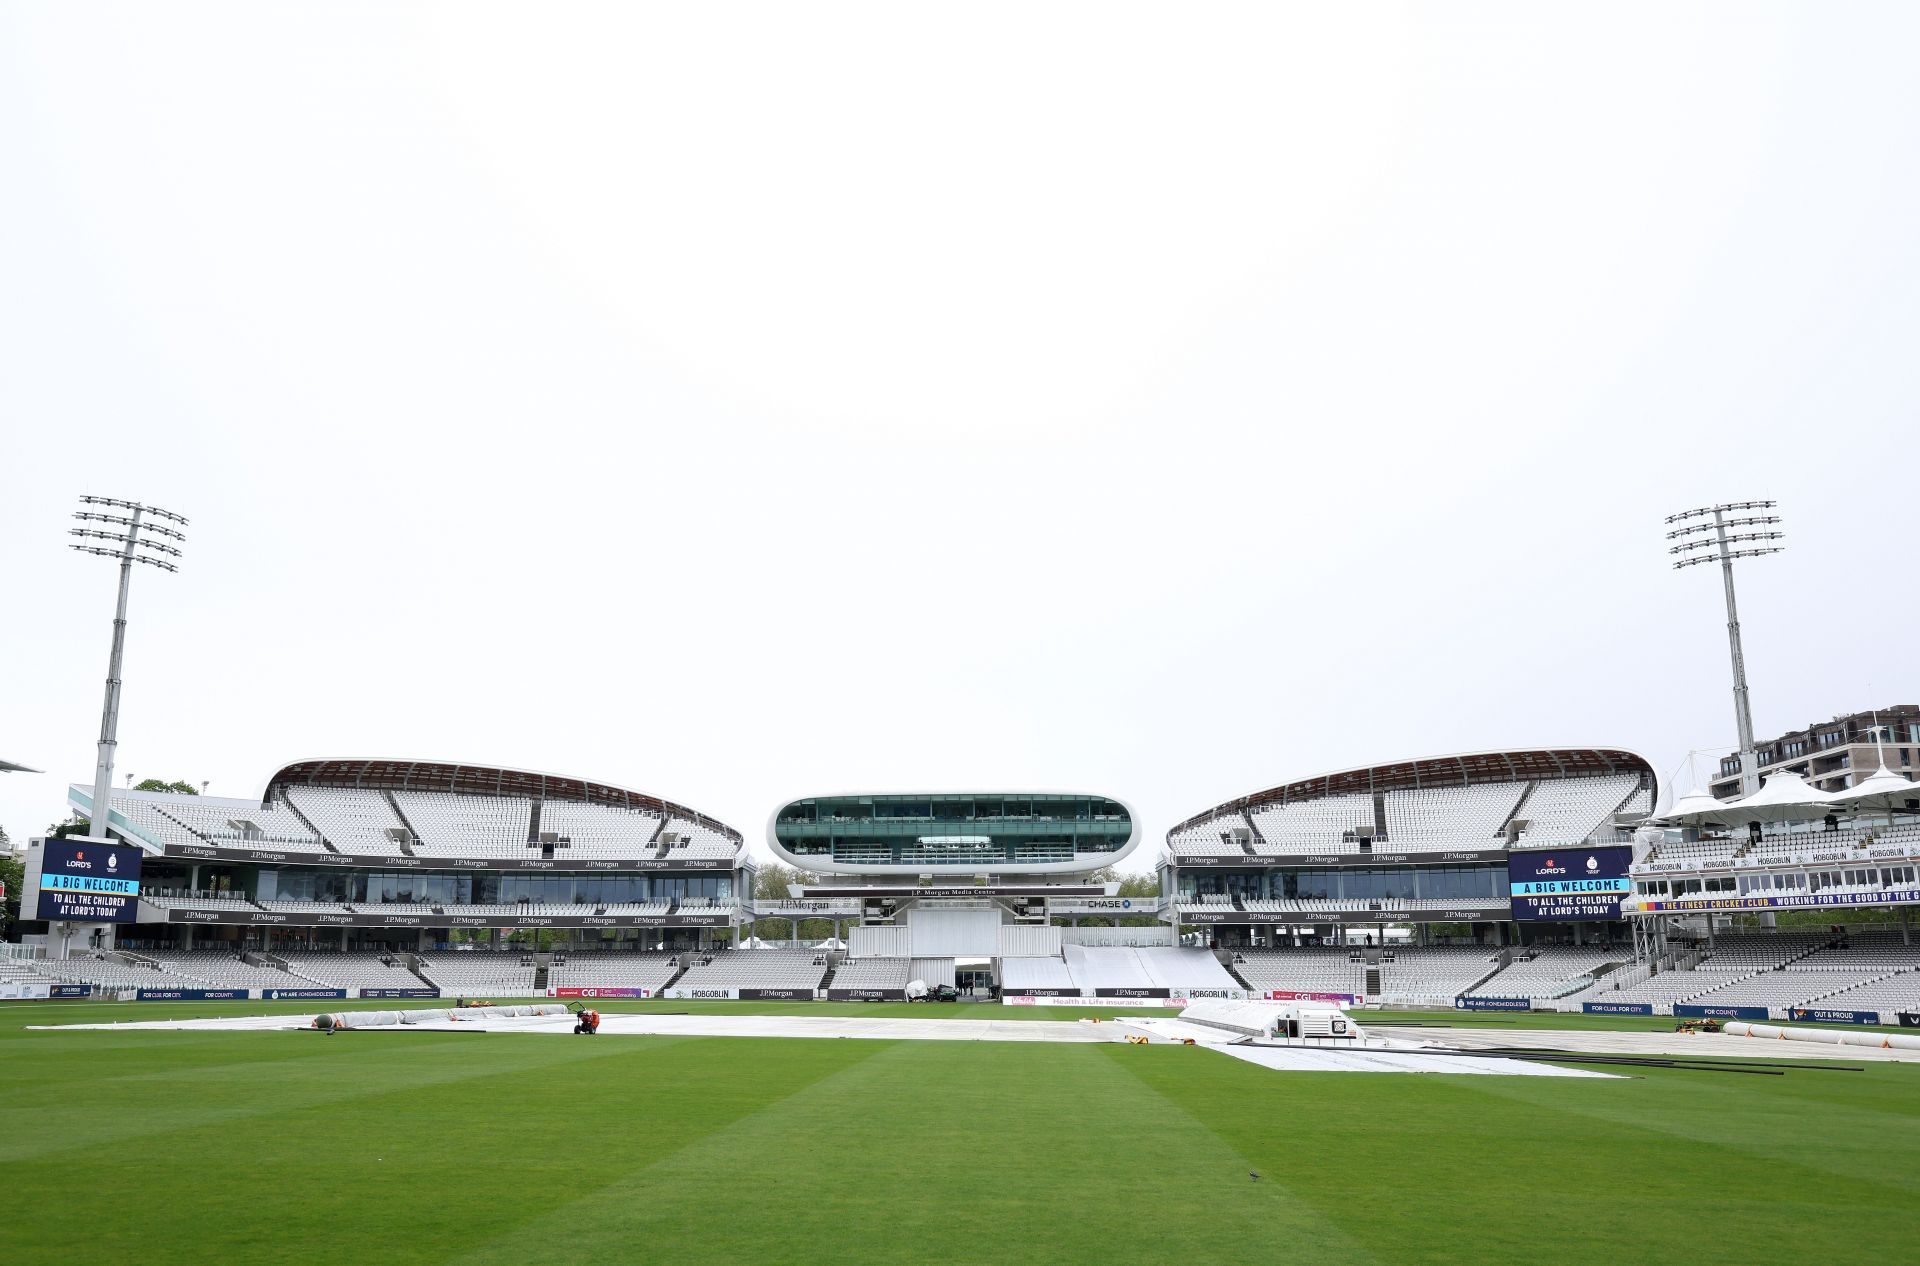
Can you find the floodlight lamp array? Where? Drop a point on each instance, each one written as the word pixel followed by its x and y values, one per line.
pixel 168 515
pixel 114 553
pixel 87 515
pixel 1703 511
pixel 133 534
pixel 1713 542
pixel 1732 553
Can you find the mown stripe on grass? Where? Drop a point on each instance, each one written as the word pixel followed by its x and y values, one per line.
pixel 403 1170
pixel 177 1088
pixel 1433 1167
pixel 1824 1122
pixel 950 1152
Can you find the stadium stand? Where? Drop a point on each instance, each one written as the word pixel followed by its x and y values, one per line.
pixel 1209 838
pixel 1445 816
pixel 353 971
pixel 1697 852
pixel 1871 971
pixel 593 830
pixel 23 971
pixel 1438 973
pixel 1182 969
pixel 480 974
pixel 1866 951
pixel 1660 991
pixel 112 972
pixel 1548 972
pixel 151 822
pixel 305 907
pixel 1018 975
pixel 1761 951
pixel 1784 988
pixel 467 826
pixel 1569 810
pixel 220 969
pixel 1307 907
pixel 695 842
pixel 1307 969
pixel 351 820
pixel 1885 994
pixel 428 823
pixel 1790 842
pixel 1427 818
pixel 1733 959
pixel 243 825
pixel 756 969
pixel 1095 967
pixel 613 970
pixel 195 900
pixel 874 973
pixel 1313 825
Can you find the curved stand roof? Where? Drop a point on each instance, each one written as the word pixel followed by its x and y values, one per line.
pixel 478 780
pixel 1458 770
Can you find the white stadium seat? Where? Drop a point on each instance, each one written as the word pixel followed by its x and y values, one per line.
pixel 756 969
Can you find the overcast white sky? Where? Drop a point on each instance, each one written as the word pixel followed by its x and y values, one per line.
pixel 739 403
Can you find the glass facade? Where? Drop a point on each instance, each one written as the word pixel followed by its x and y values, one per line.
pixel 958 830
pixel 1349 883
pixel 442 888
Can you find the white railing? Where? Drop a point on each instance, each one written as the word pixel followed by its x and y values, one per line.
pixel 1851 851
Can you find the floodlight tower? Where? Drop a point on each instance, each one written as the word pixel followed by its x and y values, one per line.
pixel 131 543
pixel 1730 538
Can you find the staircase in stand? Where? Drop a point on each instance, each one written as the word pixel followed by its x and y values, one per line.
pixel 1498 967
pixel 307 822
pixel 1226 961
pixel 1519 806
pixel 406 845
pixel 1253 831
pixel 417 965
pixel 548 848
pixel 680 966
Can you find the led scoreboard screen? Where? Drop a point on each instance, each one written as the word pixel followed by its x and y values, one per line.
pixel 1574 884
pixel 87 880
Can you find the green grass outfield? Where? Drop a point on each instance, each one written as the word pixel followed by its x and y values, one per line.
pixel 247 1147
